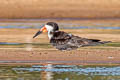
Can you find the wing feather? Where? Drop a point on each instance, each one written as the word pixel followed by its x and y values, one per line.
pixel 64 41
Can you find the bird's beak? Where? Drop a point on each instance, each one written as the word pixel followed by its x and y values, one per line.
pixel 43 29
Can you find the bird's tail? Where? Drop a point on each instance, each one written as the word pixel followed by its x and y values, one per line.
pixel 104 42
pixel 95 42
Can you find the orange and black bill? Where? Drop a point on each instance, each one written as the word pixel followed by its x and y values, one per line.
pixel 43 29
pixel 39 32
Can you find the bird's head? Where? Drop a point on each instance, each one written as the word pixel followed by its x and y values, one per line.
pixel 48 27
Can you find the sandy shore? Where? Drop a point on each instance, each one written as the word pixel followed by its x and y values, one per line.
pixel 45 53
pixel 25 35
pixel 60 9
pixel 82 56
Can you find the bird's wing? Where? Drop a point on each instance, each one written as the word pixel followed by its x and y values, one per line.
pixel 61 40
pixel 81 42
pixel 65 41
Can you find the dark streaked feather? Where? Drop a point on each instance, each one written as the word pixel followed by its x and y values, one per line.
pixel 65 41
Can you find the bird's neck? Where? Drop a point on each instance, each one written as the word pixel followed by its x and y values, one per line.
pixel 50 35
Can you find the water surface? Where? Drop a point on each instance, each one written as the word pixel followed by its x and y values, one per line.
pixel 49 71
pixel 34 25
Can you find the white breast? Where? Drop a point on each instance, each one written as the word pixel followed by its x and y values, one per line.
pixel 50 35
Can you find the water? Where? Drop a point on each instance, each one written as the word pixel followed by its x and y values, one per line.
pixel 62 26
pixel 50 71
pixel 6 43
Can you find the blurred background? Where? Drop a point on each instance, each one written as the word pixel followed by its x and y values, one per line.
pixel 17 9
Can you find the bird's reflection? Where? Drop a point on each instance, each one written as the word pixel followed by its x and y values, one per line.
pixel 47 74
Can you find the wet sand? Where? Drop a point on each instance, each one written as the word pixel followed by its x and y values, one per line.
pixel 81 56
pixel 25 35
pixel 39 54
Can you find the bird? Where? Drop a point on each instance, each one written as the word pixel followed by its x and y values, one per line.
pixel 66 41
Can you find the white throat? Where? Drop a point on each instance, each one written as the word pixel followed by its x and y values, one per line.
pixel 49 29
pixel 50 35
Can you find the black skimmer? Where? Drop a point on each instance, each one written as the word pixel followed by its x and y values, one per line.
pixel 65 41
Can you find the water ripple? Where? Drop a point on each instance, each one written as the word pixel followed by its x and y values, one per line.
pixel 115 71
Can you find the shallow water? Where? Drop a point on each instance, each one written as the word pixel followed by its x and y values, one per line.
pixel 49 71
pixel 44 45
pixel 62 26
pixel 6 43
